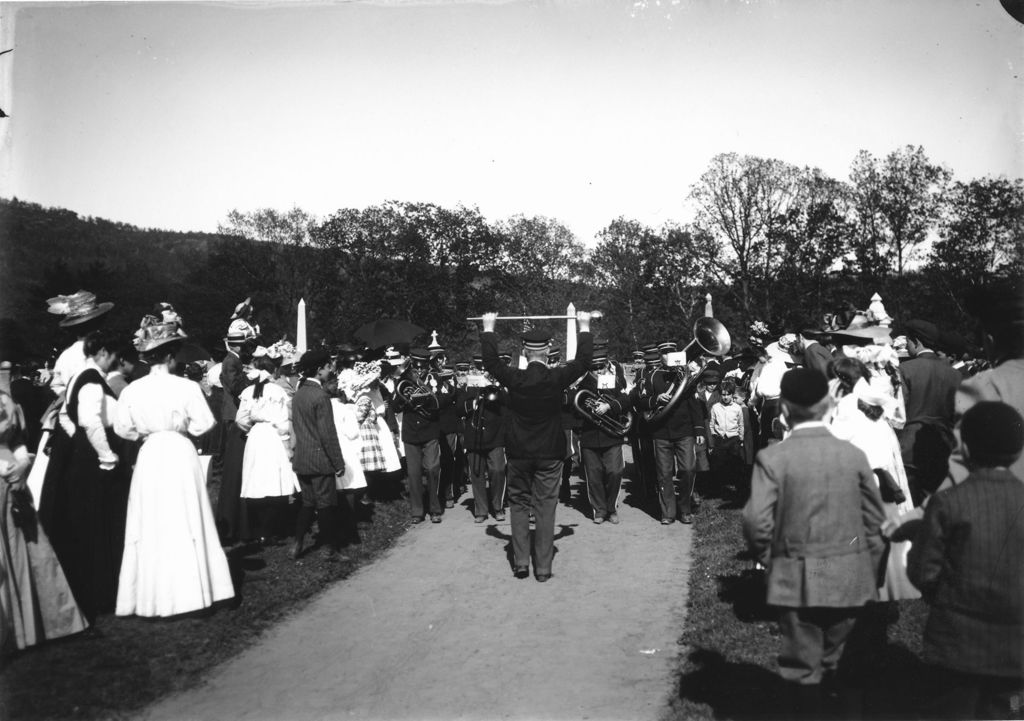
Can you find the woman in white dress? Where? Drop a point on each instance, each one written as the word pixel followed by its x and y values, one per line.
pixel 860 416
pixel 173 562
pixel 264 413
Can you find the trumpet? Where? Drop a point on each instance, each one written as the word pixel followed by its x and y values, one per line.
pixel 713 338
pixel 586 401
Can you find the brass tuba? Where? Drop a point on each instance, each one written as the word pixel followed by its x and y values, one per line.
pixel 585 401
pixel 712 337
pixel 420 399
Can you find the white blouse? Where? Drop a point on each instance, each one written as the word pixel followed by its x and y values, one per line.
pixel 162 402
pixel 95 413
pixel 273 407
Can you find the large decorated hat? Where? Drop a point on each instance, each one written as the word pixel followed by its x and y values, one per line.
pixel 77 308
pixel 153 333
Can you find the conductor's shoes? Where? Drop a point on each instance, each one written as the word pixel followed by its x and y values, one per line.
pixel 522 572
pixel 543 577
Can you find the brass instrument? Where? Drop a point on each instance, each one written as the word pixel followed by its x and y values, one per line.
pixel 713 338
pixel 419 398
pixel 585 402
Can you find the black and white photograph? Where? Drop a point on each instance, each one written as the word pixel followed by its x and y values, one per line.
pixel 525 360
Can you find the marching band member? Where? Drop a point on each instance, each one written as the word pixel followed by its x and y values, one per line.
pixel 420 399
pixel 643 440
pixel 484 424
pixel 676 436
pixel 602 451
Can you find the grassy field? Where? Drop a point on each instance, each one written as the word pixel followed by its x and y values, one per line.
pixel 728 666
pixel 129 662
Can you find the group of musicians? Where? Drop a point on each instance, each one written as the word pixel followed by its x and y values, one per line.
pixel 455 419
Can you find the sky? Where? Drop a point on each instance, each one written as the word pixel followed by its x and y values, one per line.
pixel 170 115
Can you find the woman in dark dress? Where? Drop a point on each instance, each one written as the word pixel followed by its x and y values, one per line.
pixel 89 490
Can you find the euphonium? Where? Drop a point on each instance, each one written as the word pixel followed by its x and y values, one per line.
pixel 585 402
pixel 420 398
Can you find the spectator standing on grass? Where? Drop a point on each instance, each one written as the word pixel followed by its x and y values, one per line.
pixel 172 562
pixel 317 460
pixel 967 561
pixel 726 429
pixel 813 521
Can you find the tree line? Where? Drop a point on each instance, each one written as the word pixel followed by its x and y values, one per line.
pixel 769 240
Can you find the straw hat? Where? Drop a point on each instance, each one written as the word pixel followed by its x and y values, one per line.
pixel 77 308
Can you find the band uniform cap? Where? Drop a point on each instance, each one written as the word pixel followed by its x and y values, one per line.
pixel 314 359
pixel 649 347
pixel 419 355
pixel 993 433
pixel 393 354
pixel 638 356
pixel 447 371
pixel 462 367
pixel 437 350
pixel 803 386
pixel 667 347
pixel 153 333
pixel 652 357
pixel 502 355
pixel 478 358
pixel 924 330
pixel 536 340
pixel 77 308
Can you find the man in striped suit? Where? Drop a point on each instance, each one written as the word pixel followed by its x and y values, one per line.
pixel 317 460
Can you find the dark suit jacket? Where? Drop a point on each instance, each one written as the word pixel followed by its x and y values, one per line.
pixel 813 519
pixel 534 423
pixel 968 559
pixel 929 387
pixel 685 420
pixel 317 452
pixel 817 357
pixel 233 380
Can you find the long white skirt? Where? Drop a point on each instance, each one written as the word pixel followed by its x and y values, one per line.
pixel 266 470
pixel 173 562
pixel 348 438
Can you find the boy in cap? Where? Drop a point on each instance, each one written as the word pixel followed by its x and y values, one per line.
pixel 813 521
pixel 967 562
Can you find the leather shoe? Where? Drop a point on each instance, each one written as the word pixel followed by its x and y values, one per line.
pixel 598 519
pixel 543 577
pixel 479 519
pixel 435 518
pixel 666 521
pixel 499 515
pixel 613 518
pixel 522 572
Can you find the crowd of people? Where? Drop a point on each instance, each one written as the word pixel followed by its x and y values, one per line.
pixel 874 463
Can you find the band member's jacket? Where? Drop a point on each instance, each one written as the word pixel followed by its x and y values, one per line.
pixel 421 422
pixel 684 420
pixel 536 399
pixel 592 435
pixel 483 426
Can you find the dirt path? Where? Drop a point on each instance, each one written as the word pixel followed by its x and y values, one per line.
pixel 439 628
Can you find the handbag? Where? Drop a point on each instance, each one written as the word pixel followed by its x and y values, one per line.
pixel 888 487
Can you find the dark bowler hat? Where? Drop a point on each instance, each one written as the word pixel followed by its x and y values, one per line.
pixel 993 433
pixel 505 356
pixel 419 355
pixel 311 360
pixel 536 339
pixel 803 386
pixel 925 331
pixel 667 347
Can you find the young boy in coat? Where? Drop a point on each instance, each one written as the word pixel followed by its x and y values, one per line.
pixel 968 562
pixel 813 520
